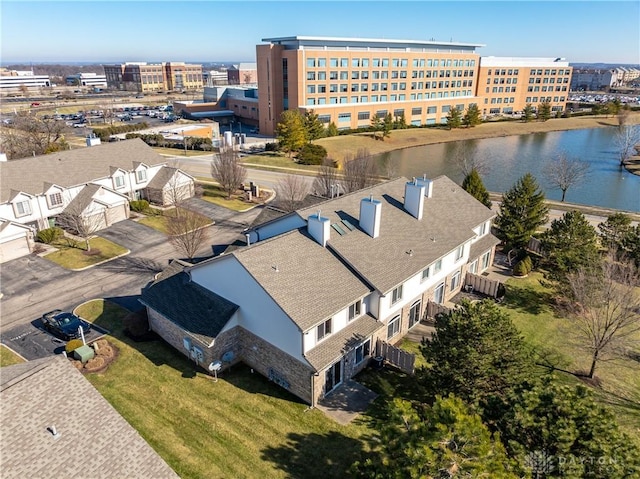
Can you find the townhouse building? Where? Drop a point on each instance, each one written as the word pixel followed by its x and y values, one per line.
pixel 349 81
pixel 306 304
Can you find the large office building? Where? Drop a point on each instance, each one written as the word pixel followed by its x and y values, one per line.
pixel 87 79
pixel 150 77
pixel 348 81
pixel 15 81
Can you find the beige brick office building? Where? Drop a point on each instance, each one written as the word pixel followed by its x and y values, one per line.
pixel 150 77
pixel 348 81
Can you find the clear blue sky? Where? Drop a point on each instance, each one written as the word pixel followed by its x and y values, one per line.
pixel 202 31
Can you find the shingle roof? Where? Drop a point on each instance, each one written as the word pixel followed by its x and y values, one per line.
pixel 333 348
pixel 162 177
pixel 482 245
pixel 83 199
pixel 73 167
pixel 95 441
pixel 306 280
pixel 195 309
pixel 405 245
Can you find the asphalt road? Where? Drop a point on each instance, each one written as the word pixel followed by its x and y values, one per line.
pixel 32 286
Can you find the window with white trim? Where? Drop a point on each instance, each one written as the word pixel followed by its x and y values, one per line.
pixel 324 329
pixel 393 327
pixel 396 295
pixel 118 181
pixel 459 253
pixel 483 229
pixel 473 267
pixel 437 267
pixel 22 208
pixel 363 351
pixel 485 260
pixel 354 310
pixel 455 280
pixel 426 273
pixel 141 175
pixel 55 199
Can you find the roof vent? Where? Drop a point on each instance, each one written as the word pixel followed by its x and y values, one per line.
pixel 414 198
pixel 370 216
pixel 275 268
pixel 54 432
pixel 319 228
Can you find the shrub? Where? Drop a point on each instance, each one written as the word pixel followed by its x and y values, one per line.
pixel 273 146
pixel 94 364
pixel 312 154
pixel 72 345
pixel 49 235
pixel 139 205
pixel 528 263
pixel 520 269
pixel 136 324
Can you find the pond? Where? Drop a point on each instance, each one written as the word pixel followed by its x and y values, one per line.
pixel 508 158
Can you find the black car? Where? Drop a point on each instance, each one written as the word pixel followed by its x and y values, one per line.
pixel 63 324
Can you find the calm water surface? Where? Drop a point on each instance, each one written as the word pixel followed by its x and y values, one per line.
pixel 511 157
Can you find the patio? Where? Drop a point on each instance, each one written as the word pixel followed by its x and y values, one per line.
pixel 346 402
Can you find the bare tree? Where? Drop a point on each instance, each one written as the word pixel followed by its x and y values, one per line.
pixel 606 307
pixel 32 135
pixel 627 137
pixel 188 231
pixel 291 190
pixel 390 166
pixel 82 219
pixel 465 155
pixel 359 171
pixel 227 170
pixel 327 179
pixel 564 172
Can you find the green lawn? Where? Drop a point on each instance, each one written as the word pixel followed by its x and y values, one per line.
pixel 528 302
pixel 180 152
pixel 8 357
pixel 159 220
pixel 214 194
pixel 241 426
pixel 279 161
pixel 76 257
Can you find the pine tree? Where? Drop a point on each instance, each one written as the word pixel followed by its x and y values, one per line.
pixel 313 125
pixel 454 118
pixel 544 111
pixel 291 131
pixel 332 129
pixel 527 113
pixel 473 185
pixel 387 126
pixel 522 212
pixel 376 125
pixel 472 116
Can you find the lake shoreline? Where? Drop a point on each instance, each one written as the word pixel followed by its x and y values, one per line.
pixel 339 147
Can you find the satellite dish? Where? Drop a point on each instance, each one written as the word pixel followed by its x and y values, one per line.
pixel 215 366
pixel 228 356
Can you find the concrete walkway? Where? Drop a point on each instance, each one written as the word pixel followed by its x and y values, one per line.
pixel 346 402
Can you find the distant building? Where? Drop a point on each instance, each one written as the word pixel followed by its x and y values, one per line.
pixel 149 77
pixel 626 75
pixel 243 74
pixel 223 104
pixel 215 77
pixel 87 79
pixel 349 81
pixel 14 81
pixel 591 79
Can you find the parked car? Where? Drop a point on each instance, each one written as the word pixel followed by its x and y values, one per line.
pixel 64 325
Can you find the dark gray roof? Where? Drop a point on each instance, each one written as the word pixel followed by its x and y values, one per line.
pixel 95 441
pixel 83 199
pixel 195 309
pixel 334 347
pixel 306 280
pixel 448 220
pixel 162 177
pixel 482 245
pixel 73 167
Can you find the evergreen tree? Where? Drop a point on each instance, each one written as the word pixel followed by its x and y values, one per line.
pixel 472 116
pixel 332 129
pixel 570 243
pixel 313 125
pixel 473 185
pixel 291 131
pixel 387 126
pixel 614 230
pixel 631 244
pixel 527 113
pixel 544 111
pixel 454 118
pixel 476 353
pixel 400 123
pixel 444 440
pixel 376 125
pixel 522 212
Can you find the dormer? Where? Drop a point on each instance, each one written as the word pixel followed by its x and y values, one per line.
pixel 54 195
pixel 140 170
pixel 118 177
pixel 21 203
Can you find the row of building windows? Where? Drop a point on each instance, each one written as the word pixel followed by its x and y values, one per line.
pixel 386 62
pixel 499 89
pixel 364 87
pixel 545 88
pixel 383 98
pixel 503 72
pixel 377 75
pixel 548 80
pixel 502 81
pixel 396 113
pixel 534 99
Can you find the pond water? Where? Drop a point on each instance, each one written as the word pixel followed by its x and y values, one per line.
pixel 510 157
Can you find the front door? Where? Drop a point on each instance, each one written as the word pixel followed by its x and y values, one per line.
pixel 414 314
pixel 438 295
pixel 333 377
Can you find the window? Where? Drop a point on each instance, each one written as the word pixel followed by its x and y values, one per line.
pixel 483 229
pixel 396 295
pixel 118 181
pixel 393 327
pixel 324 329
pixel 363 351
pixel 55 199
pixel 426 273
pixel 455 280
pixel 414 313
pixel 141 175
pixel 485 260
pixel 354 310
pixel 432 109
pixel 437 266
pixel 363 115
pixel 22 208
pixel 459 253
pixel 473 267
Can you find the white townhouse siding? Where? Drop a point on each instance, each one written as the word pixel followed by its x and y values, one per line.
pixel 258 313
pixel 338 322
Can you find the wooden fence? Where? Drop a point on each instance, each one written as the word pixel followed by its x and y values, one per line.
pixel 399 358
pixel 484 285
pixel 433 309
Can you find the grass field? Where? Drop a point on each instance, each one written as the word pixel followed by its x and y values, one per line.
pixel 279 161
pixel 241 426
pixel 214 194
pixel 160 220
pixel 528 302
pixel 180 152
pixel 8 357
pixel 74 256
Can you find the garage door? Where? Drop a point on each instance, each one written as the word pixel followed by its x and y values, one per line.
pixel 14 249
pixel 117 213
